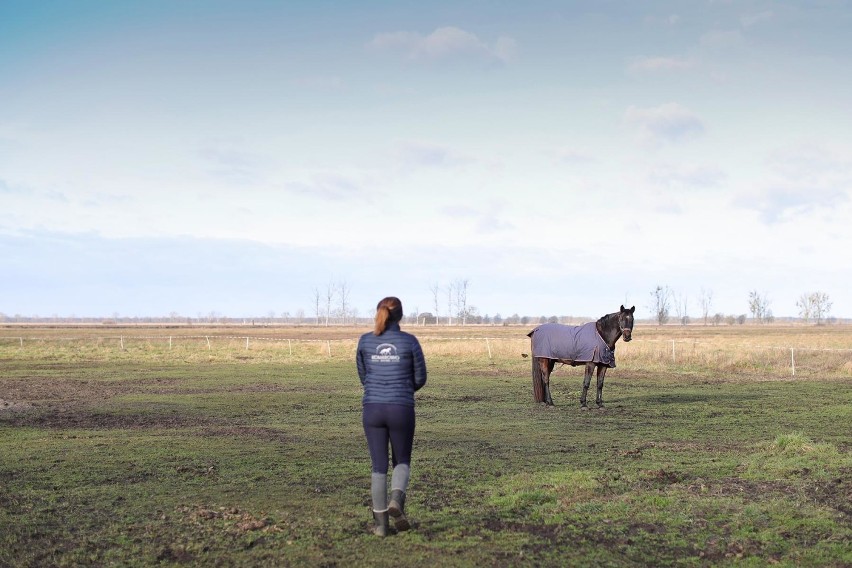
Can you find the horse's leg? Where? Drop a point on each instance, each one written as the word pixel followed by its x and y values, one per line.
pixel 549 369
pixel 538 367
pixel 587 380
pixel 601 375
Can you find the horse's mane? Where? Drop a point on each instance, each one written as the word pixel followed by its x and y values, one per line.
pixel 607 318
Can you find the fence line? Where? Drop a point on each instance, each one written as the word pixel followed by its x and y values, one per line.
pixel 248 338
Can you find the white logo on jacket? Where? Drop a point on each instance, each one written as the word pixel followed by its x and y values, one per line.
pixel 385 353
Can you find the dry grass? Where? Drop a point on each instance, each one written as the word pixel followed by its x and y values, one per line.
pixel 764 351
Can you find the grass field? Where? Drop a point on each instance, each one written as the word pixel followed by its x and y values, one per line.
pixel 118 448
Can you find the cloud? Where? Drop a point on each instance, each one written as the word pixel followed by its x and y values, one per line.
pixel 749 20
pixel 670 20
pixel 231 165
pixel 335 187
pixel 572 157
pixel 803 179
pixel 686 177
pixel 722 39
pixel 8 189
pixel 670 122
pixel 486 221
pixel 659 64
pixel 444 43
pixel 424 154
pixel 18 190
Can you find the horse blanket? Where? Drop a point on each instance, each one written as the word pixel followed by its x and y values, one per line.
pixel 575 343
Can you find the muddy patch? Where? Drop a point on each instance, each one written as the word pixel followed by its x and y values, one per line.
pixel 835 493
pixel 13 406
pixel 71 418
pixel 255 432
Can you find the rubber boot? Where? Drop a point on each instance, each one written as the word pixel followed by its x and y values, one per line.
pixel 381 523
pixel 396 508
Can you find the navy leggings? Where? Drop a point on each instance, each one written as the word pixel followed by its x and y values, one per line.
pixel 392 423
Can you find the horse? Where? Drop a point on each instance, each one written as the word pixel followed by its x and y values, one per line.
pixel 591 344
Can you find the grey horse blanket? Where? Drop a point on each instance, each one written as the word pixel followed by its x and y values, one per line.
pixel 575 343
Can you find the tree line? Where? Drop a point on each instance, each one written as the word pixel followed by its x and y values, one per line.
pixel 813 307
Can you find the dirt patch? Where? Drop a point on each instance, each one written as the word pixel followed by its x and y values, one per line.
pixel 835 493
pixel 12 406
pixel 41 389
pixel 71 418
pixel 259 432
pixel 547 532
pixel 737 487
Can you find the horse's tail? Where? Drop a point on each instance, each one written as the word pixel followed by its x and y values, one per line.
pixel 537 377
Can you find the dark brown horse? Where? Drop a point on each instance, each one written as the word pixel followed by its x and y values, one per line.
pixel 591 344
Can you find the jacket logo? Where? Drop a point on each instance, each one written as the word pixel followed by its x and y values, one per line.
pixel 385 353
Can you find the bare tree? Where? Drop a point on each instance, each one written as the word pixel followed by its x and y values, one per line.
pixel 435 289
pixel 804 305
pixel 450 298
pixel 343 296
pixel 705 298
pixel 758 305
pixel 661 298
pixel 461 299
pixel 330 292
pixel 317 302
pixel 816 305
pixel 682 309
pixel 822 306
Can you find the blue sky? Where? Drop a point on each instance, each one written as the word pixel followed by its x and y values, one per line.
pixel 563 157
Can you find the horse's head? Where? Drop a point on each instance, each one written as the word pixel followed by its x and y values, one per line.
pixel 625 322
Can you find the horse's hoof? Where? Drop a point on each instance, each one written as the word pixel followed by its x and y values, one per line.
pixel 601 407
pixel 583 407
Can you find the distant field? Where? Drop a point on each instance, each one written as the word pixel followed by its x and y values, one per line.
pixel 120 448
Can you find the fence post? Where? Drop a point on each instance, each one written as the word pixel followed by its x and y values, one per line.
pixel 673 350
pixel 328 344
pixel 488 345
pixel 290 345
pixel 247 343
pixel 208 342
pixel 793 360
pixel 170 343
pixel 122 342
pixel 22 341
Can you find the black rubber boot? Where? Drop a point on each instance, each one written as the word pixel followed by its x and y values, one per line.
pixel 381 523
pixel 396 508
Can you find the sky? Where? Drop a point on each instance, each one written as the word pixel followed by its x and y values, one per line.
pixel 562 157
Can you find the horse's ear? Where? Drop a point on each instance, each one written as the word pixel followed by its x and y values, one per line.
pixel 633 309
pixel 622 307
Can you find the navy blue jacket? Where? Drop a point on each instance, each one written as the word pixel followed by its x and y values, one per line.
pixel 391 366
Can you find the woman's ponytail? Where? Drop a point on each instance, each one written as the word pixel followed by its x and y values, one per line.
pixel 388 311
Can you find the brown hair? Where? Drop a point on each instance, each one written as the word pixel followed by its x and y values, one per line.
pixel 388 311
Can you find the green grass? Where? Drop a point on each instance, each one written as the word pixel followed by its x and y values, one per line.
pixel 135 461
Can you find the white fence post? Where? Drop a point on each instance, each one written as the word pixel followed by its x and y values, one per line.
pixel 208 343
pixel 673 351
pixel 793 360
pixel 488 345
pixel 290 345
pixel 247 343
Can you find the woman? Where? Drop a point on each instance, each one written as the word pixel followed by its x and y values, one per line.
pixel 391 367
